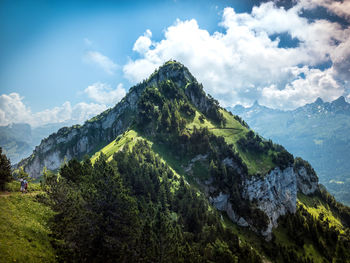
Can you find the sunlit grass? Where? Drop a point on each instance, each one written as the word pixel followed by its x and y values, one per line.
pixel 315 206
pixel 233 131
pixel 14 186
pixel 129 137
pixel 24 229
pixel 308 248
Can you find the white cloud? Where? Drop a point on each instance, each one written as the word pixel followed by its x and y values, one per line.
pixel 143 43
pixel 103 93
pixel 243 63
pixel 101 61
pixel 302 90
pixel 13 110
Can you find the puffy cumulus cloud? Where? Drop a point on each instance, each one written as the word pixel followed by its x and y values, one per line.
pixel 308 86
pixel 244 62
pixel 143 43
pixel 340 8
pixel 13 110
pixel 96 58
pixel 103 93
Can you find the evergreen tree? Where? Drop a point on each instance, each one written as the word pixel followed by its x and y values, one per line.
pixel 5 170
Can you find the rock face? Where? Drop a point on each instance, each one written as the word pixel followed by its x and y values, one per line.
pixel 307 182
pixel 77 140
pixel 275 194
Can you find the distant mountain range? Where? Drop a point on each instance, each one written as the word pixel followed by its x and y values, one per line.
pixel 318 132
pixel 18 140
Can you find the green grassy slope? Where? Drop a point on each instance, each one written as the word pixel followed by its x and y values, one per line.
pixel 129 137
pixel 232 132
pixel 319 208
pixel 24 228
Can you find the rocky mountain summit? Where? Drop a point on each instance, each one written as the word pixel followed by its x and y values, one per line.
pixel 79 140
pixel 253 180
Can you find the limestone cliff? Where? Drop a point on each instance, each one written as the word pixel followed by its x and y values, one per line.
pixel 275 194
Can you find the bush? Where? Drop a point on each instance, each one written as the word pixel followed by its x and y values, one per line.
pixel 283 159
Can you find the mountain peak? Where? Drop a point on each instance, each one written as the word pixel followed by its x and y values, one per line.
pixel 318 101
pixel 256 104
pixel 340 101
pixel 172 66
pixel 174 71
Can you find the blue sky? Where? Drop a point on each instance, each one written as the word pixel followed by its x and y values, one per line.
pixel 69 60
pixel 43 42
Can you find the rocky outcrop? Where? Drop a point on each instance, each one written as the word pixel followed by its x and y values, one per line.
pixel 199 157
pixel 174 71
pixel 76 141
pixel 275 194
pixel 307 182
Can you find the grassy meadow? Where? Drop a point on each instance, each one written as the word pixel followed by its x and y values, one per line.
pixel 25 235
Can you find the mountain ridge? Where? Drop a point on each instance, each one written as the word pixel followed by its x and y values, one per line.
pixel 110 122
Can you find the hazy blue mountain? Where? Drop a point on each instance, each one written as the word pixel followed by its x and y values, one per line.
pixel 318 132
pixel 18 140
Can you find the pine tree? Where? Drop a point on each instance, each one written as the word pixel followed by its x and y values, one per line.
pixel 5 170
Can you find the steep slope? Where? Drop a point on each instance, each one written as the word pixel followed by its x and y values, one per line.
pixel 173 221
pixel 79 140
pixel 319 132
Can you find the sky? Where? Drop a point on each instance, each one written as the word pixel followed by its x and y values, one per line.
pixel 66 61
